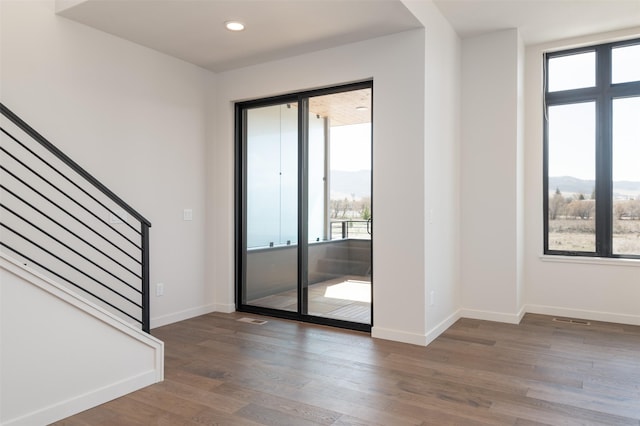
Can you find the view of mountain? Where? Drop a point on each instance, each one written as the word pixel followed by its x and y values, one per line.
pixel 350 184
pixel 345 184
pixel 570 185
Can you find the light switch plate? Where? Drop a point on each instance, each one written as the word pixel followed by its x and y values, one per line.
pixel 187 214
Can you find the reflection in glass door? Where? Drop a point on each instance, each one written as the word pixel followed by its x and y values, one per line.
pixel 272 207
pixel 304 206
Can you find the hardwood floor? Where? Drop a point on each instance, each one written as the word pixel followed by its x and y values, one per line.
pixel 220 371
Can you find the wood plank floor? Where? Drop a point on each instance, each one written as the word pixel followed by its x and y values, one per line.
pixel 223 372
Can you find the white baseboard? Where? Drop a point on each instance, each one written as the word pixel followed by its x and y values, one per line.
pixel 225 308
pixel 493 316
pixel 442 327
pixel 415 338
pixel 182 315
pixel 559 311
pixel 82 402
pixel 515 319
pixel 398 336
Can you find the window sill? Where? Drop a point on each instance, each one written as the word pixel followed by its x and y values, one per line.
pixel 590 260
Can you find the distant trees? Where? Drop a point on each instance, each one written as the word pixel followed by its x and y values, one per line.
pixel 556 204
pixel 339 208
pixel 578 206
pixel 627 209
pixel 364 208
pixel 350 208
pixel 366 212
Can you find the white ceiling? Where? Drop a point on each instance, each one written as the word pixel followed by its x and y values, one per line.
pixel 193 30
pixel 541 21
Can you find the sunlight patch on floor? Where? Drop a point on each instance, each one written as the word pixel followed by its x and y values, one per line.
pixel 357 291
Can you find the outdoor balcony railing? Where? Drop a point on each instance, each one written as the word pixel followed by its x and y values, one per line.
pixel 349 228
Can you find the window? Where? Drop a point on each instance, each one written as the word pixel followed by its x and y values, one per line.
pixel 592 151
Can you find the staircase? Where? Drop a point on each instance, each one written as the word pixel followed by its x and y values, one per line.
pixel 74 263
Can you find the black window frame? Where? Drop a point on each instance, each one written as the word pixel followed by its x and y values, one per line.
pixel 300 98
pixel 603 94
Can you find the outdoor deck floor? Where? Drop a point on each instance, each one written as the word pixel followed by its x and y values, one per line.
pixel 346 298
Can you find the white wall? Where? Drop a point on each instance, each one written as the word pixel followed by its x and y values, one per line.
pixel 134 118
pixel 491 178
pixel 60 355
pixel 595 289
pixel 442 167
pixel 521 212
pixel 396 64
pixel 97 96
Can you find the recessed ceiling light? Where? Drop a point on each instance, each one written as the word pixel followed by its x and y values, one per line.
pixel 234 25
pixel 361 108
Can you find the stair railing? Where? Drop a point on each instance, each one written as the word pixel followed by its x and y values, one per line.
pixel 60 220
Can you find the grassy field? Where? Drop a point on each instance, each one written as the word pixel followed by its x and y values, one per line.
pixel 579 235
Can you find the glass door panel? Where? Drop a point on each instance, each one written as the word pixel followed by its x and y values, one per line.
pixel 271 266
pixel 304 211
pixel 339 187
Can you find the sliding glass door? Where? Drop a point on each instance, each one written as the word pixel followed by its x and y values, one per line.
pixel 304 224
pixel 272 206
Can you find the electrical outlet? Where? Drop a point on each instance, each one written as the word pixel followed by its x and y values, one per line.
pixel 159 289
pixel 432 297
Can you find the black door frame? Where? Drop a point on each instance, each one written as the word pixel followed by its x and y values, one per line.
pixel 301 99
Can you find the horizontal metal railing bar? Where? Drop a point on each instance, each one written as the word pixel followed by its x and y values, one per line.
pixel 4 225
pixel 32 152
pixel 68 197
pixel 72 164
pixel 68 280
pixel 51 237
pixel 69 214
pixel 70 265
pixel 69 248
pixel 71 232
